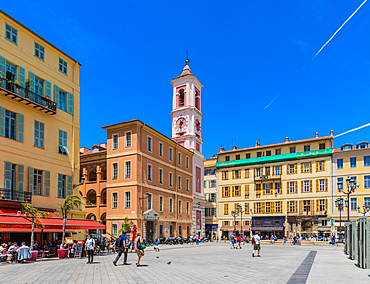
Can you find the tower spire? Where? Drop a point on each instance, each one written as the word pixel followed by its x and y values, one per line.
pixel 186 70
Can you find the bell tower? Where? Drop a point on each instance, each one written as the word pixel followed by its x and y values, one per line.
pixel 187 131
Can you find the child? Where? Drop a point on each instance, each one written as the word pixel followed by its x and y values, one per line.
pixel 156 243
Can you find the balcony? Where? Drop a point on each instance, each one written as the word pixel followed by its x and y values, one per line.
pixel 15 195
pixel 262 178
pixel 22 94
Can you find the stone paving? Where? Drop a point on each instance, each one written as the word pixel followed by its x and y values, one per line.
pixel 206 263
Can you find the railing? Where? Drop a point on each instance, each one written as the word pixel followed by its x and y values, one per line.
pixel 266 177
pixel 27 95
pixel 15 195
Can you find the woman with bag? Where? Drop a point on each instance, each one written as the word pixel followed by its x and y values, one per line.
pixel 140 246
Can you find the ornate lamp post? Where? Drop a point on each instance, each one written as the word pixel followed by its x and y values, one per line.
pixel 340 205
pixel 234 214
pixel 366 208
pixel 351 187
pixel 240 209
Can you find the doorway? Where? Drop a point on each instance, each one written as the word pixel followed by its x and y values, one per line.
pixel 149 230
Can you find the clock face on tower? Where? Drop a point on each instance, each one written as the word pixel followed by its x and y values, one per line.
pixel 197 125
pixel 180 123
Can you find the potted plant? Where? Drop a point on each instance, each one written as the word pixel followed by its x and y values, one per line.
pixel 16 84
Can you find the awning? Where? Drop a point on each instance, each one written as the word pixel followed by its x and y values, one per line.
pixel 268 229
pixel 28 230
pixel 14 222
pixel 231 228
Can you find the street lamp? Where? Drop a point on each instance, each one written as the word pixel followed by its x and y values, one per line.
pixel 250 227
pixel 339 203
pixel 366 208
pixel 351 187
pixel 240 209
pixel 234 214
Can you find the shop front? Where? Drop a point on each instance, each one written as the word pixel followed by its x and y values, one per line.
pixel 269 226
pixel 227 231
pixel 211 231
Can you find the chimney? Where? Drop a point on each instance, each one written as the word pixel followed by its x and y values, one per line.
pixel 331 132
pixel 221 149
pixel 286 139
pixel 256 144
pixel 104 145
pixel 317 134
pixel 234 147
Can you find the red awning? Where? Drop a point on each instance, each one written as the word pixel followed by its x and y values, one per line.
pixel 28 230
pixel 14 222
pixel 231 228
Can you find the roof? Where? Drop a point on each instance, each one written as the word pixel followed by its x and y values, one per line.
pixel 32 32
pixel 210 163
pixel 90 152
pixel 275 145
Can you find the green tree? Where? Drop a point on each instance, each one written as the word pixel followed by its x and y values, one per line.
pixel 126 226
pixel 70 202
pixel 34 214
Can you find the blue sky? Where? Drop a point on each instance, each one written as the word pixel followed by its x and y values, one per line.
pixel 245 53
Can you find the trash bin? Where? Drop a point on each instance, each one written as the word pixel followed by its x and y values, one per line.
pixel 34 254
pixel 62 253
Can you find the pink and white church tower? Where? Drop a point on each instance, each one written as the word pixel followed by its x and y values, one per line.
pixel 187 131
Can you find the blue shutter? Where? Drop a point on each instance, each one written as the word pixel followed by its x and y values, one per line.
pixel 20 177
pixel 31 77
pixel 60 186
pixel 70 103
pixel 69 185
pixel 8 175
pixel 2 121
pixel 20 127
pixel 30 179
pixel 47 183
pixel 48 89
pixel 22 80
pixel 2 71
pixel 56 95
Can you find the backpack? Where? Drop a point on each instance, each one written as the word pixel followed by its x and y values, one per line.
pixel 119 242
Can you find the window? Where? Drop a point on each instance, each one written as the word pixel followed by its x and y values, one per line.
pixel 278 207
pixel 258 172
pixel 366 181
pixel 160 229
pixel 225 191
pixel 236 174
pixel 248 155
pixel 62 186
pixel 149 144
pixel 355 179
pixel 354 204
pixel 237 157
pixel 278 152
pixel 187 185
pixel 62 100
pixel 324 223
pixel 170 181
pixel 37 182
pixel 10 125
pixel 149 172
pixel 160 176
pixel 179 158
pixel 114 197
pixel 160 203
pixel 246 173
pixel 277 188
pixel 39 134
pixel 292 207
pixel 128 139
pixel 63 142
pixel 171 230
pixel 115 142
pixel 322 184
pixel 11 33
pixel 212 183
pixel 187 162
pixel 292 150
pixel 161 149
pixel 179 206
pixel 258 190
pixel 180 230
pixel 322 146
pixel 115 171
pixel 268 207
pixel 268 153
pixel 171 205
pixel 277 170
pixel 39 88
pixel 340 181
pixel 268 188
pixel 62 66
pixel 367 201
pixel 114 229
pixel 188 230
pixel 236 223
pixel 292 168
pixel 128 199
pixel 179 182
pixel 226 223
pixel 227 158
pixel 187 208
pixel 149 201
pixel 128 169
pixel 307 148
pixel 306 186
pixel 291 187
pixel 339 164
pixel 307 167
pixel 258 207
pixel 170 154
pixel 226 209
pixel 320 166
pixel 236 191
pixel 39 51
pixel 366 161
pixel 225 175
pixel 259 154
pixel 353 162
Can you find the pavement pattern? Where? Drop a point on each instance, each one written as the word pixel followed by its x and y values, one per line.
pixel 206 263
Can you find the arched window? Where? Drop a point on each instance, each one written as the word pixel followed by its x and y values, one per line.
pixel 197 100
pixel 181 98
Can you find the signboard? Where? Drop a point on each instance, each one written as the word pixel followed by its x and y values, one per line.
pixel 79 248
pixel 69 240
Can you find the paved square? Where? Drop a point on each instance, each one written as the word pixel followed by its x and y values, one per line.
pixel 206 263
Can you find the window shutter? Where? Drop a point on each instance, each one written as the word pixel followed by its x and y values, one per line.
pixel 31 77
pixel 323 165
pixel 287 187
pixel 302 167
pixel 20 178
pixel 30 179
pixel 264 189
pixel 69 185
pixel 326 184
pixel 317 205
pixel 310 185
pixel 263 207
pixel 317 185
pixel 296 206
pixel 60 186
pixel 20 127
pixel 47 183
pixel 302 186
pixel 254 208
pixel 70 103
pixel 287 207
pixel 272 207
pixel 287 169
pixel 300 205
pixel 233 191
pixel 296 187
pixel 56 95
pixel 233 174
pixel 2 71
pixel 317 166
pixel 2 121
pixel 8 175
pixel 295 168
pixel 326 204
pixel 310 167
pixel 48 89
pixel 22 80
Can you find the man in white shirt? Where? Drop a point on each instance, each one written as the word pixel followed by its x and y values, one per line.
pixel 256 241
pixel 90 246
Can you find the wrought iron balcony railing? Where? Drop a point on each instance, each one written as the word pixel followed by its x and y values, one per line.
pixel 19 93
pixel 15 195
pixel 267 177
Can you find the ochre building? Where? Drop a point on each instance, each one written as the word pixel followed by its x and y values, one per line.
pixel 210 194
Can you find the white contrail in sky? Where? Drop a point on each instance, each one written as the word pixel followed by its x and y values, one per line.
pixel 354 129
pixel 339 29
pixel 269 103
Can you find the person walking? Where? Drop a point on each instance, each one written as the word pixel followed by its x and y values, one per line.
pixel 256 241
pixel 239 240
pixel 156 243
pixel 232 241
pixel 122 246
pixel 197 239
pixel 139 248
pixel 90 246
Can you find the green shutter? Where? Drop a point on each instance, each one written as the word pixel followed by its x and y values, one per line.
pixel 56 95
pixel 48 89
pixel 2 71
pixel 31 77
pixel 69 185
pixel 20 177
pixel 30 179
pixel 47 184
pixel 8 175
pixel 20 127
pixel 2 121
pixel 22 80
pixel 60 186
pixel 70 103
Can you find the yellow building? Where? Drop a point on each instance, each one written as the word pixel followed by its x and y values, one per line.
pixel 210 194
pixel 353 162
pixel 282 189
pixel 39 120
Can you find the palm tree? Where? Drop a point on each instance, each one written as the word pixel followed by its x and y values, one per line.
pixel 126 226
pixel 71 202
pixel 34 214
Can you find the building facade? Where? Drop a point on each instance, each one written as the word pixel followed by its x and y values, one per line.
pixel 210 194
pixel 39 121
pixel 283 189
pixel 351 162
pixel 187 131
